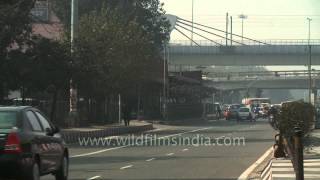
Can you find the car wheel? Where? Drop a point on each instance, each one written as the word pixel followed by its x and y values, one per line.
pixel 63 171
pixel 34 173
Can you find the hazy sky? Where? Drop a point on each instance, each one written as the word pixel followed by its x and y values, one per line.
pixel 267 19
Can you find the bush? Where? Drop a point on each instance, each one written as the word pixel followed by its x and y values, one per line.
pixel 296 114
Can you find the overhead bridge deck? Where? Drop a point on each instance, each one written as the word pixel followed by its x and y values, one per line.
pixel 249 55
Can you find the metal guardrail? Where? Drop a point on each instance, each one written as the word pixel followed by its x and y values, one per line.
pixel 247 42
pixel 262 75
pixel 253 79
pixel 254 49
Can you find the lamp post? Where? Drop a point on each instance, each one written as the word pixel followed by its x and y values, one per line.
pixel 242 17
pixel 164 82
pixel 73 99
pixel 309 65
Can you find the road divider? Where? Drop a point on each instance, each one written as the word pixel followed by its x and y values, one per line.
pixel 248 171
pixel 72 136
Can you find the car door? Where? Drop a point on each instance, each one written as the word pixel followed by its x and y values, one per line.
pixel 54 145
pixel 39 140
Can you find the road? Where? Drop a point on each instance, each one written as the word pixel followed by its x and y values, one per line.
pixel 216 161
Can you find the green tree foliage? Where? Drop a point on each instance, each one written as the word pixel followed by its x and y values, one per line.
pixel 114 51
pixel 15 29
pixel 14 22
pixel 42 69
pixel 296 114
pixel 146 13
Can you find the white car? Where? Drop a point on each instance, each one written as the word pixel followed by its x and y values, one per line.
pixel 245 113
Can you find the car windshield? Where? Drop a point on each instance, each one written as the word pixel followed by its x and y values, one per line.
pixel 7 119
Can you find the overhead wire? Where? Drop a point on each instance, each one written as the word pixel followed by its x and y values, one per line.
pixel 186 36
pixel 220 31
pixel 212 33
pixel 199 35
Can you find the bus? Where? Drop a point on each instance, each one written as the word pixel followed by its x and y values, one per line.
pixel 254 102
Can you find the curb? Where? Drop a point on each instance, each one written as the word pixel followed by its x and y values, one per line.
pixel 72 137
pixel 249 170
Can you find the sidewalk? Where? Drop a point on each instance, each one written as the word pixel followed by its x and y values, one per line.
pixel 71 135
pixel 282 169
pixel 312 145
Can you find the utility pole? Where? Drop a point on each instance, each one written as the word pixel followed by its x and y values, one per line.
pixel 309 65
pixel 192 23
pixel 242 17
pixel 74 22
pixel 231 30
pixel 164 83
pixel 227 21
pixel 120 109
pixel 73 112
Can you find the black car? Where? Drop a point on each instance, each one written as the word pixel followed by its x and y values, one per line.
pixel 30 146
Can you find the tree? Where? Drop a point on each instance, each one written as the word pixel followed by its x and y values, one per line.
pixel 297 114
pixel 15 31
pixel 44 67
pixel 115 53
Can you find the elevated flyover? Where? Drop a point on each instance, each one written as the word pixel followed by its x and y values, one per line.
pixel 293 52
pixel 262 80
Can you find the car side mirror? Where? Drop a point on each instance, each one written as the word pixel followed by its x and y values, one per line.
pixel 56 130
pixel 49 132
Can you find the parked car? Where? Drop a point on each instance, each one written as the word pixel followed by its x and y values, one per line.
pixel 30 145
pixel 232 112
pixel 245 113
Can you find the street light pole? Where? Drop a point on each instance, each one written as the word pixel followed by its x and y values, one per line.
pixel 164 82
pixel 242 17
pixel 73 111
pixel 310 63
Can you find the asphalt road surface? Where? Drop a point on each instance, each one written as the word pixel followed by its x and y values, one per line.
pixel 220 158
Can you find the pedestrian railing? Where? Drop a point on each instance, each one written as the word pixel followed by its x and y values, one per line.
pixel 248 42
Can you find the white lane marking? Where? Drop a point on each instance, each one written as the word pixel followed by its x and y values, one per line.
pixel 94 177
pixel 159 129
pixel 126 167
pixel 170 154
pixel 120 147
pixel 173 135
pixel 185 149
pixel 112 137
pixel 246 173
pixel 98 152
pixel 151 159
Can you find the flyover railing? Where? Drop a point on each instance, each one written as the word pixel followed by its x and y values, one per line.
pixel 260 75
pixel 247 42
pixel 230 50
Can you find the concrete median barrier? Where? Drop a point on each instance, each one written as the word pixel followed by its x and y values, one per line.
pixel 72 136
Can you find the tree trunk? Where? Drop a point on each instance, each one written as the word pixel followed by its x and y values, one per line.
pixel 54 105
pixel 2 93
